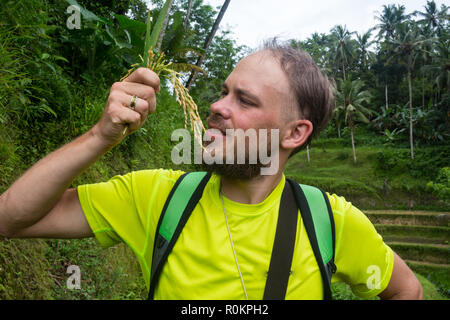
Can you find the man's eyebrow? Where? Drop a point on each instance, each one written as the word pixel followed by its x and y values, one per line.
pixel 243 92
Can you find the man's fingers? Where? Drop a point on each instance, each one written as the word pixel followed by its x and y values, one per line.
pixel 144 76
pixel 130 118
pixel 143 92
pixel 123 100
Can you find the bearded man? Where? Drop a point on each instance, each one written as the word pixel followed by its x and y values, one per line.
pixel 224 250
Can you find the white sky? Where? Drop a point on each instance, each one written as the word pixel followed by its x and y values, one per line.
pixel 253 21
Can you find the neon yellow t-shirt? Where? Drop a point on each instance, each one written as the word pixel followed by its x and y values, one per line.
pixel 202 265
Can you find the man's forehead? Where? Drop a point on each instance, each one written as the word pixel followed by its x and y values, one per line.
pixel 258 72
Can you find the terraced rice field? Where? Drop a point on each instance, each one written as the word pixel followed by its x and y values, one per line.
pixel 421 238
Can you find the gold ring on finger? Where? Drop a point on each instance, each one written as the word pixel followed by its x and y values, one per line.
pixel 133 102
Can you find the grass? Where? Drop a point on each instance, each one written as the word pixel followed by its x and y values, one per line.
pixel 422 252
pixel 426 219
pixel 430 234
pixel 24 272
pixel 111 273
pixel 436 274
pixel 342 291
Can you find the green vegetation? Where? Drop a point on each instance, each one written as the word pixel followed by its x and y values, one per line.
pixel 54 82
pixel 371 183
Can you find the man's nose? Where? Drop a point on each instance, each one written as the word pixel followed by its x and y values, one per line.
pixel 222 107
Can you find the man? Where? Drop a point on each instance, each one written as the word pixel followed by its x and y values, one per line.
pixel 224 250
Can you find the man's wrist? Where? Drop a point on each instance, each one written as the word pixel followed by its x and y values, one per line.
pixel 101 144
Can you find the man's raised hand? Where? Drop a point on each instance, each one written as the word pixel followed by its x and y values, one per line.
pixel 118 115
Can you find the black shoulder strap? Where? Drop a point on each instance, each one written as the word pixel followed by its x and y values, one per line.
pixel 327 268
pixel 177 209
pixel 283 247
pixel 185 195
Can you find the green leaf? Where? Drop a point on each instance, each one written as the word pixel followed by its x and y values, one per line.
pixel 158 26
pixel 136 29
pixel 147 39
pixel 47 109
pixel 362 117
pixel 60 58
pixel 116 39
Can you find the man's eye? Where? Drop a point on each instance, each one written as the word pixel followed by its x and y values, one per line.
pixel 246 102
pixel 223 93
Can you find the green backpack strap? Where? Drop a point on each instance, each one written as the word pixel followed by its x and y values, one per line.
pixel 318 219
pixel 177 209
pixel 187 191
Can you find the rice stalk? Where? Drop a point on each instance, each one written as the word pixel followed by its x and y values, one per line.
pixel 158 64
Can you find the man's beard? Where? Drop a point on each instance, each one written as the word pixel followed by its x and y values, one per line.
pixel 234 171
pixel 243 169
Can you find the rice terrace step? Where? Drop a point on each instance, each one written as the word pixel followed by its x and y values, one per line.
pixel 438 254
pixel 414 233
pixel 421 238
pixel 404 217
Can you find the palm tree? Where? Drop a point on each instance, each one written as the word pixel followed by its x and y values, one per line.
pixel 390 18
pixel 364 43
pixel 443 61
pixel 409 44
pixel 351 100
pixel 342 47
pixel 317 45
pixel 338 116
pixel 432 17
pixel 208 42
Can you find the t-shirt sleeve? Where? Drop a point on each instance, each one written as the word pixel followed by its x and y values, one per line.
pixel 127 207
pixel 362 258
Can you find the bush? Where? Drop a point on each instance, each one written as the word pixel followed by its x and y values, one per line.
pixel 441 186
pixel 426 163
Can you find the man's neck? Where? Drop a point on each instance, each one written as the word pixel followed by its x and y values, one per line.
pixel 251 191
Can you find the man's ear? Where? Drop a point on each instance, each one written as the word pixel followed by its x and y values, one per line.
pixel 296 133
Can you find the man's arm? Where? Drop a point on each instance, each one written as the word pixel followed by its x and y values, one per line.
pixel 403 285
pixel 39 204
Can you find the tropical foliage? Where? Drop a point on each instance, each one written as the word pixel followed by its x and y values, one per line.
pixel 403 62
pixel 392 103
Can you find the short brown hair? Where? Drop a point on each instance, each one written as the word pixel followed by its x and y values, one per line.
pixel 312 90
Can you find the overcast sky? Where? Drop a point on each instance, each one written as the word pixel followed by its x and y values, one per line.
pixel 253 21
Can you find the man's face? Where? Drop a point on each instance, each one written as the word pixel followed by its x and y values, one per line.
pixel 254 96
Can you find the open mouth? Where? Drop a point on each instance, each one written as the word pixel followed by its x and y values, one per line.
pixel 216 131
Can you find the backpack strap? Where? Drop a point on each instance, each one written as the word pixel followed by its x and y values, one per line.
pixel 316 214
pixel 319 224
pixel 283 247
pixel 177 209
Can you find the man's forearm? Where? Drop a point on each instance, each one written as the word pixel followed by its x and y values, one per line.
pixel 35 193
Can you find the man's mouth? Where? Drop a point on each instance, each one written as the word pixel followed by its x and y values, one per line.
pixel 216 131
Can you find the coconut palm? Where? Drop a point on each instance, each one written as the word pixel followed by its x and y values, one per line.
pixel 364 43
pixel 443 62
pixel 317 45
pixel 408 46
pixel 342 49
pixel 433 17
pixel 351 100
pixel 390 18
